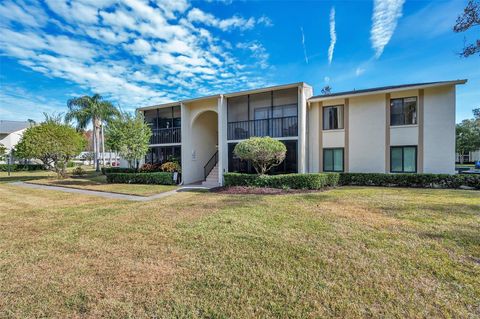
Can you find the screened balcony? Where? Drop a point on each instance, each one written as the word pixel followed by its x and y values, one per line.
pixel 272 113
pixel 165 124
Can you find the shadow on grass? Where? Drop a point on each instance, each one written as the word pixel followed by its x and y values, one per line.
pixel 14 178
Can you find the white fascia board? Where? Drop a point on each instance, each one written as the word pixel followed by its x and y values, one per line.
pixel 416 87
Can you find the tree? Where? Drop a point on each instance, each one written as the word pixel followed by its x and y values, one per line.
pixel 129 135
pixel 476 115
pixel 467 137
pixel 91 109
pixel 52 143
pixel 468 19
pixel 327 90
pixel 263 152
pixel 3 152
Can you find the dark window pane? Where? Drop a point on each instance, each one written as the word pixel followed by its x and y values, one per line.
pixel 397 159
pixel 338 160
pixel 403 111
pixel 333 117
pixel 409 159
pixel 328 160
pixel 396 112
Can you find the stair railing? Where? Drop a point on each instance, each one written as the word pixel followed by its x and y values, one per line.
pixel 210 165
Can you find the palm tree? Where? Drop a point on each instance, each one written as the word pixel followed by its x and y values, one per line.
pixel 91 109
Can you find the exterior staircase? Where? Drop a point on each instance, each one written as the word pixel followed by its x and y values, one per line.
pixel 212 178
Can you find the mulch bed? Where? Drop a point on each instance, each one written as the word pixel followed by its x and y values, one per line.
pixel 259 190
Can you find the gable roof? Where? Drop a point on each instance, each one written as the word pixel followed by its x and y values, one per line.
pixel 385 88
pixel 7 127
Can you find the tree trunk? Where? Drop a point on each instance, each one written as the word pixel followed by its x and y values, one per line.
pixel 103 146
pixel 96 130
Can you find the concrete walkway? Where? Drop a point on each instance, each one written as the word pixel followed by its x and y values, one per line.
pixel 102 194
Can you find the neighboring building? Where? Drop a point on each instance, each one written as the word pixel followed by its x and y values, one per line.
pixel 468 158
pixel 11 132
pixel 404 128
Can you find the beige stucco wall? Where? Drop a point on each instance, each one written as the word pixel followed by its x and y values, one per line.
pixel 367 134
pixel 439 130
pixel 333 138
pixel 404 135
pixel 199 137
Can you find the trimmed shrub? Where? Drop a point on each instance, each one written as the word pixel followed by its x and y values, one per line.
pixel 78 172
pixel 108 170
pixel 150 167
pixel 294 181
pixel 21 167
pixel 411 180
pixel 161 178
pixel 171 167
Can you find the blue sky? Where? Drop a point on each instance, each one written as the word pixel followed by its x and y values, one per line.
pixel 138 52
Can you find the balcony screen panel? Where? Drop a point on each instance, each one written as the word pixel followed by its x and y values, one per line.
pixel 176 116
pixel 285 97
pixel 237 108
pixel 260 105
pixel 151 118
pixel 165 118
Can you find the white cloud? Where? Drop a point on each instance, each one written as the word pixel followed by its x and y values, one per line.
pixel 135 52
pixel 236 22
pixel 257 51
pixel 384 21
pixel 333 35
pixel 359 71
pixel 303 45
pixel 30 15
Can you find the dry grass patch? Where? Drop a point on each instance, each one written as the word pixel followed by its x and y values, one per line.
pixel 348 252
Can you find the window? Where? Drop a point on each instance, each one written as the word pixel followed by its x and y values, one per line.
pixel 403 159
pixel 333 159
pixel 403 111
pixel 333 117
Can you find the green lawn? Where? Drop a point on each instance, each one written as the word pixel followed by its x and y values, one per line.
pixel 92 181
pixel 347 252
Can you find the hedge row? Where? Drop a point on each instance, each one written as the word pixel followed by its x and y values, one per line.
pixel 411 180
pixel 20 167
pixel 108 170
pixel 294 181
pixel 318 181
pixel 161 178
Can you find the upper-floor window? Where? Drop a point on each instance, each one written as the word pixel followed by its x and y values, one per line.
pixel 333 117
pixel 403 111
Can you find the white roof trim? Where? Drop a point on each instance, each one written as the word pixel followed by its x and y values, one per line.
pixel 406 88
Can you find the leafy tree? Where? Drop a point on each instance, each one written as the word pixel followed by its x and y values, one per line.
pixel 91 109
pixel 468 19
pixel 3 152
pixel 52 143
pixel 129 135
pixel 476 115
pixel 263 152
pixel 468 137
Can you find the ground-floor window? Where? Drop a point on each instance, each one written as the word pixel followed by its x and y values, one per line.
pixel 162 154
pixel 403 159
pixel 333 159
pixel 289 165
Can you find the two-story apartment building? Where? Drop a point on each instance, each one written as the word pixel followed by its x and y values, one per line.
pixel 404 128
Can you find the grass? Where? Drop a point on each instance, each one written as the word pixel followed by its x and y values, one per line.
pixel 347 252
pixel 91 181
